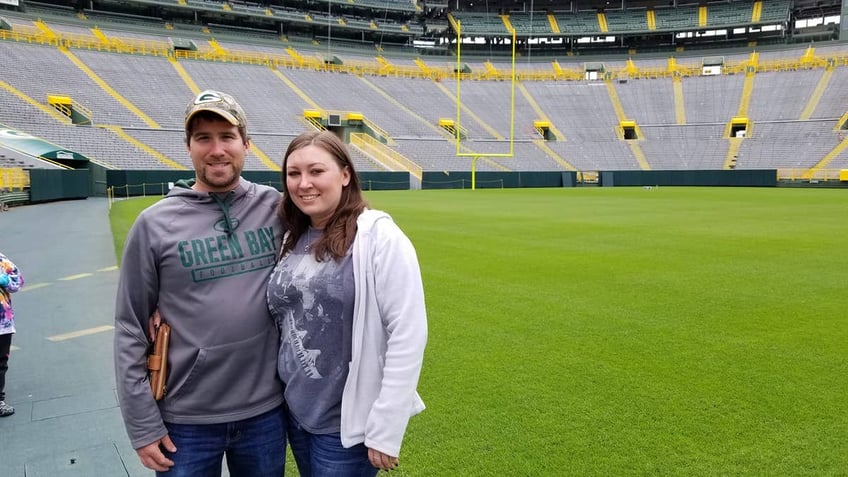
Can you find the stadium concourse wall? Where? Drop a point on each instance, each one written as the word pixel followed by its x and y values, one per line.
pixel 50 185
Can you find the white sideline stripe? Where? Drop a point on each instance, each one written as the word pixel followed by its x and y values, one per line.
pixel 34 286
pixel 77 334
pixel 14 348
pixel 74 277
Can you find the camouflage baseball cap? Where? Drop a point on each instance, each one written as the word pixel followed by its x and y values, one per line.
pixel 219 103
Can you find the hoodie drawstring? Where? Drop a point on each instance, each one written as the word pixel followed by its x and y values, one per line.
pixel 224 204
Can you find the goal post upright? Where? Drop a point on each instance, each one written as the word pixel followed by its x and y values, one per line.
pixel 458 71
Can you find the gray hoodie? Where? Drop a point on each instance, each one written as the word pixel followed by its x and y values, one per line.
pixel 204 259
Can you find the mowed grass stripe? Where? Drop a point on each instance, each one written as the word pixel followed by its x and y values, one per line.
pixel 610 331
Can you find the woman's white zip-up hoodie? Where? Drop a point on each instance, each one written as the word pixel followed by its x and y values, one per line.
pixel 389 336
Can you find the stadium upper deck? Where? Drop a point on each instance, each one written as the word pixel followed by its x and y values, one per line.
pixel 544 26
pixel 135 85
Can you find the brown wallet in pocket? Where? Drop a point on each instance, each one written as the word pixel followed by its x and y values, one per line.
pixel 157 361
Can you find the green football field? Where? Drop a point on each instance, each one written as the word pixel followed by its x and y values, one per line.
pixel 627 331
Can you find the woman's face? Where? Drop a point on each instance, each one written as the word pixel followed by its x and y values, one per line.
pixel 314 182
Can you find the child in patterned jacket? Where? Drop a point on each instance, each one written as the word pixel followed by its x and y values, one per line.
pixel 10 282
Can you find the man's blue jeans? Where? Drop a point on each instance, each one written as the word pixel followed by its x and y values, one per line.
pixel 255 447
pixel 322 455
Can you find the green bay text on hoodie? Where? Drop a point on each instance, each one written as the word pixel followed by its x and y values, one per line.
pixel 204 260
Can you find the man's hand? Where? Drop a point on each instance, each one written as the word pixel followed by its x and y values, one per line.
pixel 152 457
pixel 153 324
pixel 382 461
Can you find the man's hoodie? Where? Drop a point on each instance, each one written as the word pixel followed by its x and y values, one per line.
pixel 204 260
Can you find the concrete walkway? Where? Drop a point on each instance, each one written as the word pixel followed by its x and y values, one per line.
pixel 61 379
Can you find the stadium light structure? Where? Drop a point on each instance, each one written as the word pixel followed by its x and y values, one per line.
pixel 329 29
pixel 530 38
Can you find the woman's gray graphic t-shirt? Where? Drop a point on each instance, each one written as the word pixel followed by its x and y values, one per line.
pixel 312 304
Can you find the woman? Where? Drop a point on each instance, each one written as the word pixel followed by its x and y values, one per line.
pixel 348 299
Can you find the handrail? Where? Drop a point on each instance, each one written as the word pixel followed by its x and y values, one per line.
pixel 376 68
pixel 13 178
pixel 373 146
pixel 808 175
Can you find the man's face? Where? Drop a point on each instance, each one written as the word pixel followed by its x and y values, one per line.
pixel 217 152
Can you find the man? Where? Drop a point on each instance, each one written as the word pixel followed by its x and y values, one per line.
pixel 203 255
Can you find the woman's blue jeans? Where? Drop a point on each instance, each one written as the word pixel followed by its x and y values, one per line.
pixel 254 447
pixel 322 455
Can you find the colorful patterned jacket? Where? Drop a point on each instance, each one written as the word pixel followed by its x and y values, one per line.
pixel 11 281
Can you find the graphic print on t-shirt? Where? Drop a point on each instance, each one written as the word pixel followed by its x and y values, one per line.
pixel 312 304
pixel 309 308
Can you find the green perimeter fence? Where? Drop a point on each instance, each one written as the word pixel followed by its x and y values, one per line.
pixel 48 185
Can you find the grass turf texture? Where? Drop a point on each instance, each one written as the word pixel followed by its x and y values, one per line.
pixel 613 331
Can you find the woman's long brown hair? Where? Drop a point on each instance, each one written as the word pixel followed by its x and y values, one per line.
pixel 340 230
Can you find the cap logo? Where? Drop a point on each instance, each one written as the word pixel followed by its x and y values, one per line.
pixel 208 97
pixel 219 103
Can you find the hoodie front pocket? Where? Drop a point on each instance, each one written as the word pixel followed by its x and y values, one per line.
pixel 230 376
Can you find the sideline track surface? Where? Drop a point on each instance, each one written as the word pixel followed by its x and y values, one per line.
pixel 61 379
